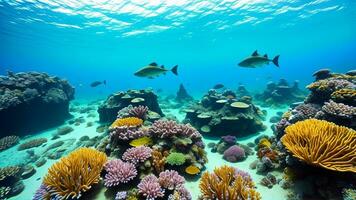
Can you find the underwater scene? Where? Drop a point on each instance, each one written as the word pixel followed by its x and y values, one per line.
pixel 177 100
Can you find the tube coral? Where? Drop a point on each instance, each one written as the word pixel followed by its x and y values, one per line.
pixel 227 183
pixel 322 143
pixel 119 172
pixel 136 155
pixel 75 173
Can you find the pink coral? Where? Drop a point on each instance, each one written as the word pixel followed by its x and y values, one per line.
pixel 127 133
pixel 135 155
pixel 150 188
pixel 170 179
pixel 170 128
pixel 184 194
pixel 138 111
pixel 234 154
pixel 119 172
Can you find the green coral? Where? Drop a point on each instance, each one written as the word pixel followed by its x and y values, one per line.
pixel 176 159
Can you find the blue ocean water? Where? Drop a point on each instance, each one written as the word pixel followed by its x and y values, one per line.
pixel 85 41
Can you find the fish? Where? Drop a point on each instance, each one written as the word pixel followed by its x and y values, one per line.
pixel 97 83
pixel 153 70
pixel 218 86
pixel 255 60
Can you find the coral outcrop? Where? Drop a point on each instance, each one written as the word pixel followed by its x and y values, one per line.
pixel 37 100
pixel 109 109
pixel 8 141
pixel 280 94
pixel 182 95
pixel 322 143
pixel 221 113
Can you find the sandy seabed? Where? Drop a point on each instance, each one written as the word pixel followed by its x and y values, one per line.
pixel 12 157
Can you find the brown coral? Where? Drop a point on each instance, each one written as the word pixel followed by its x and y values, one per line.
pixel 127 122
pixel 158 161
pixel 8 141
pixel 75 173
pixel 322 143
pixel 224 183
pixel 32 143
pixel 344 95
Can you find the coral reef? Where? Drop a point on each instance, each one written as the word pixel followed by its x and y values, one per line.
pixel 136 155
pixel 313 141
pixel 227 183
pixel 182 95
pixel 219 113
pixel 10 183
pixel 280 94
pixel 114 103
pixel 26 93
pixel 75 173
pixel 32 143
pixel 150 188
pixel 119 172
pixel 8 141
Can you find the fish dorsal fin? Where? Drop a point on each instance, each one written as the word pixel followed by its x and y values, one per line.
pixel 153 64
pixel 266 56
pixel 162 66
pixel 255 53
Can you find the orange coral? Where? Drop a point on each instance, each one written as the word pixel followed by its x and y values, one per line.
pixel 322 143
pixel 127 121
pixel 75 173
pixel 224 184
pixel 264 142
pixel 269 153
pixel 158 161
pixel 192 170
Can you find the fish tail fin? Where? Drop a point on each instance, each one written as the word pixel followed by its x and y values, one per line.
pixel 104 82
pixel 275 61
pixel 175 70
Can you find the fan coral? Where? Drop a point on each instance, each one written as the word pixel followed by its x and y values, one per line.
pixel 75 173
pixel 158 161
pixel 32 143
pixel 170 128
pixel 150 188
pixel 176 159
pixel 7 172
pixel 192 170
pixel 225 183
pixel 339 110
pixel 171 180
pixel 137 154
pixel 322 143
pixel 8 141
pixel 234 154
pixel 119 172
pixel 127 122
pixel 138 111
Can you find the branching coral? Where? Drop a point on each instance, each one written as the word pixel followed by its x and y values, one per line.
pixel 127 122
pixel 171 180
pixel 32 143
pixel 138 111
pixel 136 155
pixel 168 129
pixel 119 172
pixel 8 141
pixel 339 110
pixel 158 161
pixel 75 173
pixel 322 143
pixel 227 183
pixel 150 188
pixel 128 133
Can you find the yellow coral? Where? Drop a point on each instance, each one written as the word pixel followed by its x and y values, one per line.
pixel 264 142
pixel 287 115
pixel 159 160
pixel 344 95
pixel 322 143
pixel 141 141
pixel 192 170
pixel 127 121
pixel 225 184
pixel 75 173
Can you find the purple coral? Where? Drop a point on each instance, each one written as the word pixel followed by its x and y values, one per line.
pixel 234 153
pixel 171 180
pixel 304 111
pixel 170 128
pixel 339 110
pixel 150 188
pixel 41 193
pixel 121 195
pixel 128 133
pixel 138 111
pixel 119 172
pixel 229 139
pixel 245 175
pixel 137 154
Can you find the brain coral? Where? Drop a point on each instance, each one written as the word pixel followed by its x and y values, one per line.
pixel 322 143
pixel 75 173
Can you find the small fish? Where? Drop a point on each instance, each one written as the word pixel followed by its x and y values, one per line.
pixel 97 83
pixel 218 86
pixel 256 60
pixel 153 70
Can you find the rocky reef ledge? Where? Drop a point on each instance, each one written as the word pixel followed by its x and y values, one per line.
pixel 33 101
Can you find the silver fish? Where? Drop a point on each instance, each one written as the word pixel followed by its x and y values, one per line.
pixel 255 60
pixel 153 70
